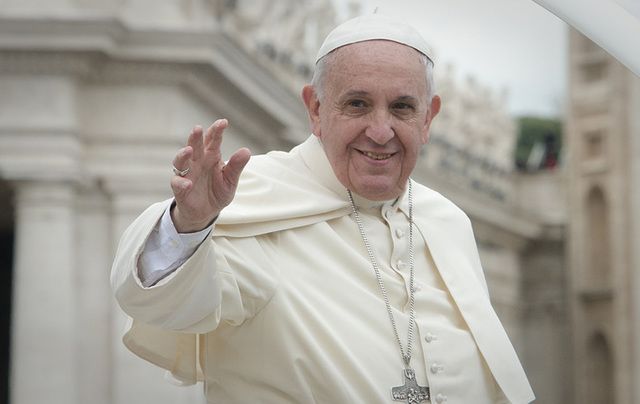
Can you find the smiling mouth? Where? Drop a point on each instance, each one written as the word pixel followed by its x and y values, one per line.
pixel 377 156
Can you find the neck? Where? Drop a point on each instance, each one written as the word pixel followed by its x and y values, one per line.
pixel 365 203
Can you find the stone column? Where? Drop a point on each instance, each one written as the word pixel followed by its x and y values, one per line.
pixel 93 308
pixel 43 338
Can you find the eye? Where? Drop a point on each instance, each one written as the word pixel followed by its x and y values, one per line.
pixel 356 103
pixel 402 106
pixel 355 107
pixel 403 110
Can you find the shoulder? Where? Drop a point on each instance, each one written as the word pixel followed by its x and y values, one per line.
pixel 432 203
pixel 447 228
pixel 272 167
pixel 275 159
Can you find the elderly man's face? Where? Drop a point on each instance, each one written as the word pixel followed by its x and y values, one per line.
pixel 374 116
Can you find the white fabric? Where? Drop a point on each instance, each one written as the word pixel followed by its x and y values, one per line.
pixel 613 24
pixel 370 27
pixel 166 249
pixel 286 303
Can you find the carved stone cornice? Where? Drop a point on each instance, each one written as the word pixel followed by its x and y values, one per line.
pixel 60 32
pixel 109 71
pixel 34 62
pixel 40 154
pixel 105 49
pixel 285 34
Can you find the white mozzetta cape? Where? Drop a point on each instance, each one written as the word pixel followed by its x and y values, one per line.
pixel 285 266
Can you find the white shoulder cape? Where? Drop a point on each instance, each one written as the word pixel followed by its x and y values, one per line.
pixel 288 190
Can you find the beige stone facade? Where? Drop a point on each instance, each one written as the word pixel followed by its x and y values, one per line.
pixel 95 98
pixel 604 234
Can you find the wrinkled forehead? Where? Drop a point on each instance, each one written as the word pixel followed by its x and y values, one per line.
pixel 381 64
pixel 373 27
pixel 376 55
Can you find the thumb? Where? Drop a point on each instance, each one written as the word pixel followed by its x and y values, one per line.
pixel 235 165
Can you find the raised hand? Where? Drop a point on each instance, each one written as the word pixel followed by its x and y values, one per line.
pixel 210 184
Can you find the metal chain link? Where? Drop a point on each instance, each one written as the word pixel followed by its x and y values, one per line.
pixel 406 356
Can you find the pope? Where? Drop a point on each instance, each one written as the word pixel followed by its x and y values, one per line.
pixel 323 274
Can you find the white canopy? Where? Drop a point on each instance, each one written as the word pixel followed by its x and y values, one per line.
pixel 613 24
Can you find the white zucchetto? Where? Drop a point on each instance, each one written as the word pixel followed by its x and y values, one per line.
pixel 370 27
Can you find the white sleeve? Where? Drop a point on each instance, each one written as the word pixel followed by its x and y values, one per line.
pixel 189 299
pixel 166 249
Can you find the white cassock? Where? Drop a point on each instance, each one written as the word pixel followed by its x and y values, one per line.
pixel 281 305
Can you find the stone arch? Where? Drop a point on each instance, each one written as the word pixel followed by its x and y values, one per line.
pixel 599 377
pixel 598 245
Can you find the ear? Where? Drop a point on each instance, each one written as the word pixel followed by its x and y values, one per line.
pixel 311 101
pixel 433 110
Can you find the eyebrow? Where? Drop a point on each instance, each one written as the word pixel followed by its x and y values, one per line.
pixel 355 93
pixel 406 98
pixel 361 93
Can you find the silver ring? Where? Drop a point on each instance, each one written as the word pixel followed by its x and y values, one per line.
pixel 181 173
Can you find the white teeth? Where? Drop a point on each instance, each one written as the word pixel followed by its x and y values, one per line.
pixel 376 156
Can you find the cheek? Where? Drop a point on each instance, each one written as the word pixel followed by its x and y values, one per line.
pixel 411 153
pixel 337 140
pixel 336 151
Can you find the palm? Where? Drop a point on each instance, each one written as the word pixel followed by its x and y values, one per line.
pixel 210 184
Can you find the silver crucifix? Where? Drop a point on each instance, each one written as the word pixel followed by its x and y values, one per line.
pixel 411 392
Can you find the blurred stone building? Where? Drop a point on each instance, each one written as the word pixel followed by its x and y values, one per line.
pixel 97 95
pixel 604 225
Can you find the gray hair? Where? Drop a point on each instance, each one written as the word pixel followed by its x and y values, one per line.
pixel 320 71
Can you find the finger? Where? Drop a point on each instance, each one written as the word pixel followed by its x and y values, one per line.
pixel 195 141
pixel 180 186
pixel 235 165
pixel 213 137
pixel 182 160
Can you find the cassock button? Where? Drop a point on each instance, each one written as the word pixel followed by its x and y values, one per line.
pixel 440 398
pixel 399 233
pixel 436 368
pixel 430 337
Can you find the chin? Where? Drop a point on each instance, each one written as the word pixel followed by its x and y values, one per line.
pixel 377 191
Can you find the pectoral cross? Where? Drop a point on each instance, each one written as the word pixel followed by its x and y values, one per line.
pixel 411 392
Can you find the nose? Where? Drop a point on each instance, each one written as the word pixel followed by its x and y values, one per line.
pixel 379 128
